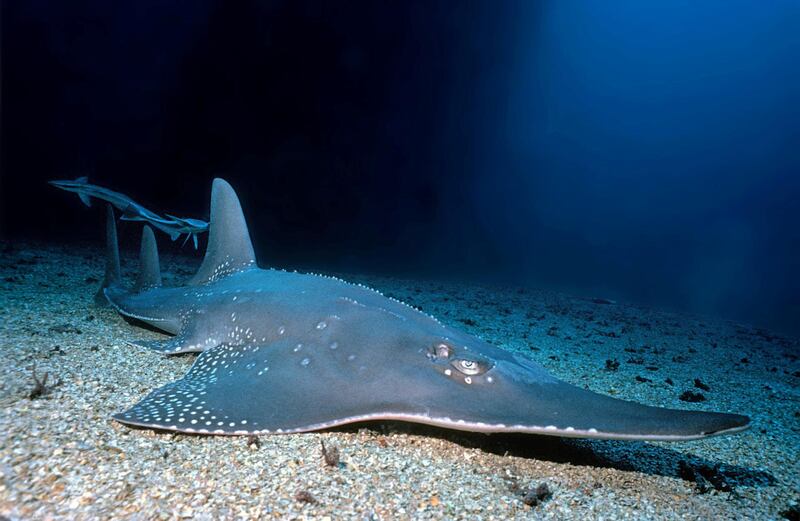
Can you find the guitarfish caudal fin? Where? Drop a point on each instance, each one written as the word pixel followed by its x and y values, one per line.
pixel 113 271
pixel 149 270
pixel 229 248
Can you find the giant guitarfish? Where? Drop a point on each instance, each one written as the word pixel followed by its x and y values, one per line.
pixel 284 352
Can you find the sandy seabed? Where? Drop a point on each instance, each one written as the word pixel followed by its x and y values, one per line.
pixel 62 457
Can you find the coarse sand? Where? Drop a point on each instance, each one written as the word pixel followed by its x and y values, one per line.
pixel 62 457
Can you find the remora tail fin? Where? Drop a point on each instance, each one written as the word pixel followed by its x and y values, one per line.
pixel 113 271
pixel 85 199
pixel 164 228
pixel 229 248
pixel 149 269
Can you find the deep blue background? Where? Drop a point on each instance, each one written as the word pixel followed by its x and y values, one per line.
pixel 645 151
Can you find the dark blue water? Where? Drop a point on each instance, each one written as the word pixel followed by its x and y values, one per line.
pixel 641 151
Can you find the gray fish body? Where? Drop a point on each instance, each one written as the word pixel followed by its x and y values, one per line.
pixel 133 211
pixel 285 352
pixel 258 305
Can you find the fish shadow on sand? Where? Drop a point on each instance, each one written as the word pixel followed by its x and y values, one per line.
pixel 629 456
pixel 633 456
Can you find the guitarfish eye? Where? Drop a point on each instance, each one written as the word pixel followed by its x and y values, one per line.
pixel 470 367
